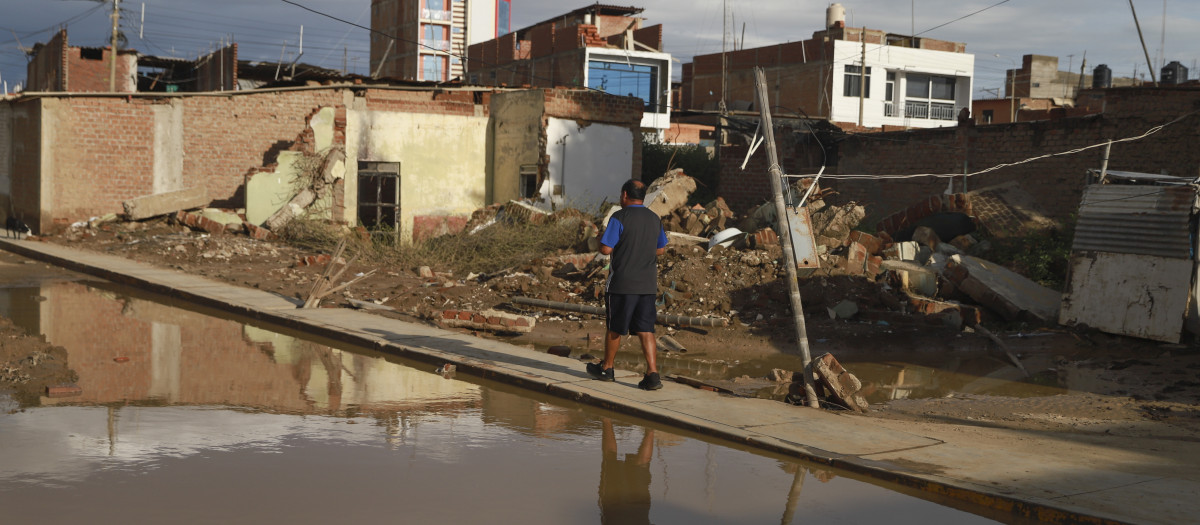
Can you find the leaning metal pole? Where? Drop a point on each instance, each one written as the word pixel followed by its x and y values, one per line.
pixel 785 239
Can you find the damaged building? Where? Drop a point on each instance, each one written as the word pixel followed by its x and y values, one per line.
pixel 603 47
pixel 380 152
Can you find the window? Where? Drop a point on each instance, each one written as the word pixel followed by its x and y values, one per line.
pixel 379 197
pixel 929 97
pixel 435 5
pixel 889 96
pixel 850 86
pixel 623 78
pixel 503 10
pixel 987 116
pixel 432 68
pixel 529 181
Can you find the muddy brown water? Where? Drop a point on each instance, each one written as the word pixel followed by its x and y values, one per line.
pixel 186 417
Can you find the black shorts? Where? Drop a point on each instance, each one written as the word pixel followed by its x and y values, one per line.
pixel 628 313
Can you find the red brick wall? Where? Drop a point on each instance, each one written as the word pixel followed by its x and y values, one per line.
pixel 92 75
pixel 46 72
pixel 26 158
pixel 218 70
pixel 104 145
pixel 1056 182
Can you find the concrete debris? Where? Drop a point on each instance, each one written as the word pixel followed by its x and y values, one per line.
pixel 1012 296
pixel 669 192
pixel 490 320
pixel 843 387
pixel 165 203
pixel 913 277
pixel 843 310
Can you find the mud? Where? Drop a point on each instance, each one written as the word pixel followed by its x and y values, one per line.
pixel 1080 381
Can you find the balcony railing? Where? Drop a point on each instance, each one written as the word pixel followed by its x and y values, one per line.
pixel 890 109
pixel 433 14
pixel 437 45
pixel 927 110
pixel 916 109
pixel 941 111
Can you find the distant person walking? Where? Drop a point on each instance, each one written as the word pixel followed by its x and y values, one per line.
pixel 634 238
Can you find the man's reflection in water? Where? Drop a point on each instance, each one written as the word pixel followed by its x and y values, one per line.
pixel 625 483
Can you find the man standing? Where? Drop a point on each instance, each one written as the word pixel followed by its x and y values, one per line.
pixel 634 238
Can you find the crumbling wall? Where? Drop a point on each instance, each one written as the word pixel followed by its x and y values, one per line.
pixel 517 140
pixel 46 72
pixel 440 140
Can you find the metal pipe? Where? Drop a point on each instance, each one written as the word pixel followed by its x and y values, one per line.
pixel 663 319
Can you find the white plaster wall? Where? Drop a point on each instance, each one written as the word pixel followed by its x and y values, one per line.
pixel 902 60
pixel 168 147
pixel 443 160
pixel 590 163
pixel 6 151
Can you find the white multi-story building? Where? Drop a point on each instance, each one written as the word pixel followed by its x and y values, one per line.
pixel 909 81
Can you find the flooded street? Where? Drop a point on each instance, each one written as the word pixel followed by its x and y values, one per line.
pixel 187 418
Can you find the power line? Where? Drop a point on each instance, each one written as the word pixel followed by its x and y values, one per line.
pixel 1147 133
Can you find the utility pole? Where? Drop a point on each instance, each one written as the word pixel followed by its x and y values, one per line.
pixel 112 70
pixel 1143 40
pixel 862 75
pixel 724 59
pixel 785 238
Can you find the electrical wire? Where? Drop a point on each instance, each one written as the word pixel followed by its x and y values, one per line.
pixel 1147 133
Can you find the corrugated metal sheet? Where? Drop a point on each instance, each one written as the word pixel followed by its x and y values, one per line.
pixel 1139 220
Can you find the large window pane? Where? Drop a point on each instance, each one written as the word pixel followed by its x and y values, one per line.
pixel 943 88
pixel 917 87
pixel 625 79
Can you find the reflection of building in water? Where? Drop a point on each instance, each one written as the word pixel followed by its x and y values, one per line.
pixel 175 356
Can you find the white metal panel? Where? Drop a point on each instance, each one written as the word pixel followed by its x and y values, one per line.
pixel 1128 294
pixel 588 164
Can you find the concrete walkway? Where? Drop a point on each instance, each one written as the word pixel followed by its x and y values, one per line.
pixel 1017 475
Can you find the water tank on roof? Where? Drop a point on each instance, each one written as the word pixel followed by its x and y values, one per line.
pixel 1101 77
pixel 833 14
pixel 1174 73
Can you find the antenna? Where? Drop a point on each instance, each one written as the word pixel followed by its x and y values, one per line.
pixel 142 27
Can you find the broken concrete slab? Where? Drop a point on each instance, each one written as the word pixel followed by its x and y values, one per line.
pixel 1007 293
pixel 844 310
pixel 669 192
pixel 913 277
pixel 164 203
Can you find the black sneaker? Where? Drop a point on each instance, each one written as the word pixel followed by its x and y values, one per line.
pixel 650 382
pixel 598 371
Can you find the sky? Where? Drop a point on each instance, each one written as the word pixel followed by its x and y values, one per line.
pixel 268 29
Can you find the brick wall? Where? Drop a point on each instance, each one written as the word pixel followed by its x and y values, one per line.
pixel 1056 182
pixel 27 158
pixel 104 146
pixel 217 71
pixel 91 73
pixel 45 72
